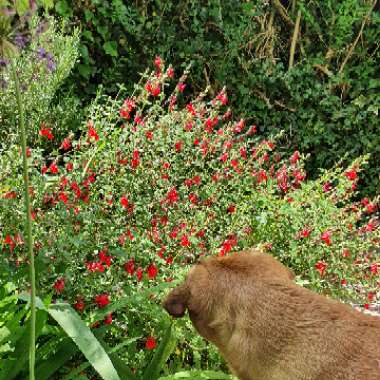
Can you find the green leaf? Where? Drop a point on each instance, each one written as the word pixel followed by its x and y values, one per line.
pixel 198 375
pixel 22 6
pixel 47 4
pixel 77 330
pixel 161 355
pixel 65 352
pixel 122 369
pixel 19 358
pixel 110 47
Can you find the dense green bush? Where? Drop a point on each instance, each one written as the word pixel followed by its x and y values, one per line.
pixel 154 182
pixel 330 94
pixel 45 57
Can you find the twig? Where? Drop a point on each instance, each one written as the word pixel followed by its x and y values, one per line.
pixel 294 39
pixel 353 45
pixel 323 69
pixel 282 11
pixel 267 101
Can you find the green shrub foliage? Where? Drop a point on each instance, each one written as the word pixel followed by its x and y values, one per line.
pixel 152 183
pixel 327 102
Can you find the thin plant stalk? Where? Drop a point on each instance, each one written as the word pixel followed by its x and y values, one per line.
pixel 294 39
pixel 32 339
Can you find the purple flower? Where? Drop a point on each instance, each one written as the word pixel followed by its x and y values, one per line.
pixel 20 41
pixel 50 64
pixel 3 62
pixel 41 53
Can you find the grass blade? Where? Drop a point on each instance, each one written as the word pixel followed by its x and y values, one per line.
pixel 160 356
pixel 80 333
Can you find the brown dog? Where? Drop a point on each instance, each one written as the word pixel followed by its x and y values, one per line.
pixel 269 328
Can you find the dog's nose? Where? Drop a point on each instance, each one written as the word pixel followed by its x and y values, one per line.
pixel 174 307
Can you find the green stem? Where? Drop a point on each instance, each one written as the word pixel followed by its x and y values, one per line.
pixel 32 340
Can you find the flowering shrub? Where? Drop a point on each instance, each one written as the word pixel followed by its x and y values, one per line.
pixel 153 183
pixel 45 57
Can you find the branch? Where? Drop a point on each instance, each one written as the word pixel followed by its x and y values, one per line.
pixel 282 11
pixel 353 45
pixel 294 39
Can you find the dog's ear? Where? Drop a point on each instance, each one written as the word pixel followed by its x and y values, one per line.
pixel 177 300
pixel 291 274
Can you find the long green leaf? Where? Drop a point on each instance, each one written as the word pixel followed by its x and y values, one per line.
pixel 80 333
pixel 162 353
pixel 66 350
pixel 122 369
pixel 13 367
pixel 198 375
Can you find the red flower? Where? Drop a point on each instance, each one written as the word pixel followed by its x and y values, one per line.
pixel 59 285
pixel 108 319
pixel 351 174
pixel 374 268
pixel 326 187
pixel 371 296
pixel 222 97
pixel 124 201
pixel 345 253
pixel 158 62
pixel 95 266
pixel 172 196
pixel 178 146
pixel 63 197
pixel 197 180
pixel 10 195
pixel 124 114
pixel 243 152
pixel 153 90
pixel 139 120
pixel 252 130
pixel 370 208
pixel 102 300
pixel 69 166
pixel 150 343
pixel 92 134
pixel 53 168
pixel 170 72
pixel 185 242
pixel 44 131
pixel 321 266
pixel 66 144
pixel 193 198
pixel 326 237
pixel 79 305
pixel 149 135
pixel 231 209
pixel 224 157
pixel 191 109
pixel 139 274
pixel 295 157
pixel 181 86
pixel 129 267
pixel 239 126
pixel 104 258
pixel 152 271
pixel 306 232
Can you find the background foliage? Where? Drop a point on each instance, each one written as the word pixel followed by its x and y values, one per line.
pixel 129 189
pixel 331 92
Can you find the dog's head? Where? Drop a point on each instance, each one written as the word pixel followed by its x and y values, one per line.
pixel 213 285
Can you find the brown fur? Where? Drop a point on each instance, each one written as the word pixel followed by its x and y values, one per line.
pixel 269 328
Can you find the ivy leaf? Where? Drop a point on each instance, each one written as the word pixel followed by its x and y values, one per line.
pixel 110 47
